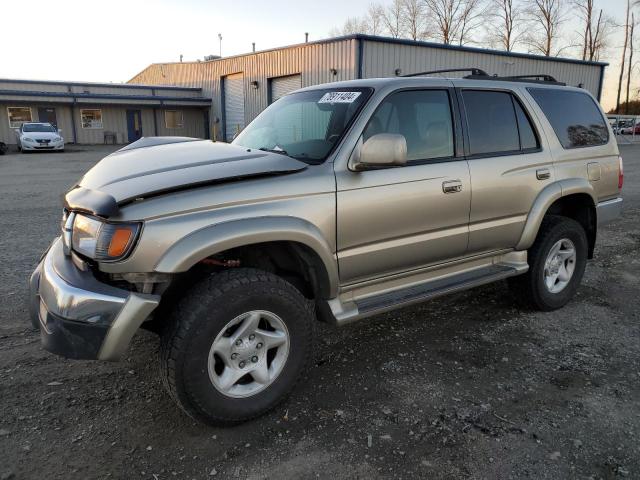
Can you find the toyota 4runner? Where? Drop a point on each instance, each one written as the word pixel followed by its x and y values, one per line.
pixel 338 202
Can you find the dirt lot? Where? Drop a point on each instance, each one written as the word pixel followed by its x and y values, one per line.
pixel 464 387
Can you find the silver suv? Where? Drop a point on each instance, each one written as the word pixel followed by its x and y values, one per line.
pixel 338 202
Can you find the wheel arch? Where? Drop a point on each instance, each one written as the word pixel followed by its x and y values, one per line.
pixel 573 198
pixel 298 236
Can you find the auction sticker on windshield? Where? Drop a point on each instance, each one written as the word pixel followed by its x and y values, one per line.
pixel 339 97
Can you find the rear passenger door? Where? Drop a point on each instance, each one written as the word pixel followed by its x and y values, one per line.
pixel 507 163
pixel 392 220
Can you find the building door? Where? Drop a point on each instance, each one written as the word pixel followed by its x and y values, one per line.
pixel 280 86
pixel 134 125
pixel 48 115
pixel 233 96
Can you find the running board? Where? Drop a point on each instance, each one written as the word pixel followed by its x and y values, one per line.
pixel 374 305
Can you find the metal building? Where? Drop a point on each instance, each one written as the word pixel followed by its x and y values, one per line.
pixel 91 113
pixel 242 86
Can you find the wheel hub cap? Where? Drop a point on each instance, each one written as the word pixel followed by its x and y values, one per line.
pixel 248 354
pixel 560 265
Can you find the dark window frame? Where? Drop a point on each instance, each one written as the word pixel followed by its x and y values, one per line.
pixel 514 97
pixel 458 143
pixel 596 105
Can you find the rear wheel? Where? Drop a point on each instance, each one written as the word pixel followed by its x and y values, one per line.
pixel 557 261
pixel 236 345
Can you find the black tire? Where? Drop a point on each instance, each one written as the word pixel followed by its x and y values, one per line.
pixel 530 288
pixel 197 319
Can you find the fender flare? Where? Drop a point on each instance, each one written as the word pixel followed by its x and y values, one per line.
pixel 545 199
pixel 219 237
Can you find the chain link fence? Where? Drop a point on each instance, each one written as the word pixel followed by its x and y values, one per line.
pixel 626 128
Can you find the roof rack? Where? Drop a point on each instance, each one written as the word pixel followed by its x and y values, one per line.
pixel 542 78
pixel 474 72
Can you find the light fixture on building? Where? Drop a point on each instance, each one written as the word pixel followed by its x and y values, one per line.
pixel 333 71
pixel 398 72
pixel 255 84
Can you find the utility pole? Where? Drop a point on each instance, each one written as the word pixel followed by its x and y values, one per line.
pixel 624 55
pixel 220 40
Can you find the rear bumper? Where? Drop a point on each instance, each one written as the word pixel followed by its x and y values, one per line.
pixel 80 317
pixel 609 210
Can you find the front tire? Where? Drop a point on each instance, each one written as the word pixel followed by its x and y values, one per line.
pixel 236 345
pixel 557 261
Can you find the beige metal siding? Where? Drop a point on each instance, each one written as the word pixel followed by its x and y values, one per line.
pixel 313 62
pixel 382 59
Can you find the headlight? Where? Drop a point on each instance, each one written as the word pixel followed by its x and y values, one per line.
pixel 27 139
pixel 103 241
pixel 57 139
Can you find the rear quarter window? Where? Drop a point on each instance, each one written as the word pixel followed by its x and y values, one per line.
pixel 574 116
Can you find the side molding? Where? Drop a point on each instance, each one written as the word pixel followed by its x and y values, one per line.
pixel 545 199
pixel 237 233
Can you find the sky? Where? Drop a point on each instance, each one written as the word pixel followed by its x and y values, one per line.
pixel 112 41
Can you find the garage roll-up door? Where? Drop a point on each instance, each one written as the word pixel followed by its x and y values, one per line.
pixel 280 86
pixel 233 104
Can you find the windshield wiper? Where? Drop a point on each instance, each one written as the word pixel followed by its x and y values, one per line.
pixel 274 150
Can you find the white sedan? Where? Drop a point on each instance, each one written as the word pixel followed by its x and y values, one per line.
pixel 39 136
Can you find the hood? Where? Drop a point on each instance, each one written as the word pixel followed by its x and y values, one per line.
pixel 156 166
pixel 41 135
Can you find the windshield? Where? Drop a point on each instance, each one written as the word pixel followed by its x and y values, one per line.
pixel 38 127
pixel 305 125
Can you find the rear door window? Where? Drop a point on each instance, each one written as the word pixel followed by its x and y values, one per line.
pixel 492 123
pixel 574 116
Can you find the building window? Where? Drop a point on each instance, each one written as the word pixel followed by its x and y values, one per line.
pixel 91 118
pixel 18 116
pixel 173 119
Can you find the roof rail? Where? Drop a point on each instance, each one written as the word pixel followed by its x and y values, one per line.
pixel 542 78
pixel 474 71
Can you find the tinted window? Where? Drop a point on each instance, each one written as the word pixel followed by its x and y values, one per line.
pixel 574 116
pixel 422 116
pixel 492 123
pixel 528 139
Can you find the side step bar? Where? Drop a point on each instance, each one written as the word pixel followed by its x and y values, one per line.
pixel 373 305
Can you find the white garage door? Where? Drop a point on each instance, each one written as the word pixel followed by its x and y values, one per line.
pixel 280 86
pixel 233 104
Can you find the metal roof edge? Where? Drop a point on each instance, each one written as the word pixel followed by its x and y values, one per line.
pixel 98 84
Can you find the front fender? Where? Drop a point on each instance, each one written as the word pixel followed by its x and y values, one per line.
pixel 545 199
pixel 217 238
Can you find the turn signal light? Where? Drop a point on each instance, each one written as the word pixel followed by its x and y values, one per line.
pixel 119 242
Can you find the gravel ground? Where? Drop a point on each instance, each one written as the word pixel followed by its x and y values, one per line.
pixel 468 386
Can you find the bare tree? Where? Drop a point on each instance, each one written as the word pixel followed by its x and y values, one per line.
pixel 351 25
pixel 414 18
pixel 545 19
pixel 505 26
pixel 630 69
pixel 624 55
pixel 374 19
pixel 393 18
pixel 596 27
pixel 452 21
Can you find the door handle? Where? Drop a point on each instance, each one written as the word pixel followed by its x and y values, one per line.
pixel 452 186
pixel 543 174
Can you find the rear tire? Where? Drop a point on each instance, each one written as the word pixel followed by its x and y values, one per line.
pixel 250 313
pixel 557 261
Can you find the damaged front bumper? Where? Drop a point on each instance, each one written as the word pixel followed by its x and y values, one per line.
pixel 80 317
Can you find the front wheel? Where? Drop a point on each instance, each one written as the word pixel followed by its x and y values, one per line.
pixel 557 261
pixel 236 345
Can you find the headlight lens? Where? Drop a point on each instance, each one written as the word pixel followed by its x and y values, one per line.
pixel 57 139
pixel 27 139
pixel 103 241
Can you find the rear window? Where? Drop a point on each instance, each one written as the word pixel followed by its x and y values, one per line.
pixel 574 116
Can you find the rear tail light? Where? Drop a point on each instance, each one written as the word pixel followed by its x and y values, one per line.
pixel 620 173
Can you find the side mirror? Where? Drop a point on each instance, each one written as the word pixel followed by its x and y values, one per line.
pixel 381 150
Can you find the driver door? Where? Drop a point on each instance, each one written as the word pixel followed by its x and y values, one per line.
pixel 392 220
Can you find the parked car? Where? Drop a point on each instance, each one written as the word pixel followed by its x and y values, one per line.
pixel 631 130
pixel 32 136
pixel 338 202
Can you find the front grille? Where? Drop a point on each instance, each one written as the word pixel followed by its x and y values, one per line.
pixel 43 141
